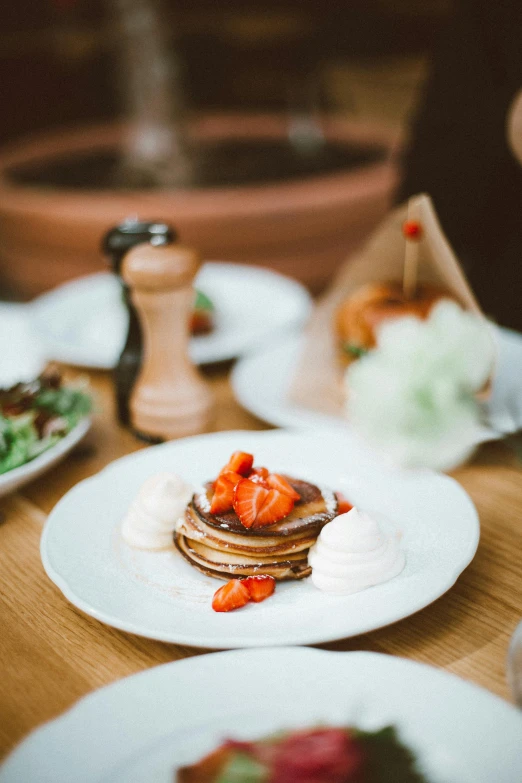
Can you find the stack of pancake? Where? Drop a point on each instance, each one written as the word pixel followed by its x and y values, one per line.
pixel 220 546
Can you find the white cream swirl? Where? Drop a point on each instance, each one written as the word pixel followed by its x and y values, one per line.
pixel 353 553
pixel 152 516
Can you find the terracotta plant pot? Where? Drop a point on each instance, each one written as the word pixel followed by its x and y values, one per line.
pixel 304 227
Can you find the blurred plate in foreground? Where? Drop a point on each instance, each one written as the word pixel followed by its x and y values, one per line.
pixel 145 726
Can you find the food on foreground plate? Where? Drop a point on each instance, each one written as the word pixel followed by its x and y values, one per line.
pixel 35 416
pixel 317 755
pixel 239 592
pixel 250 521
pixel 352 553
pixel 152 515
pixel 359 316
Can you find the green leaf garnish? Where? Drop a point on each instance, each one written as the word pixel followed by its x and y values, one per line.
pixel 20 439
pixel 388 760
pixel 202 301
pixel 69 403
pixel 17 438
pixel 354 350
pixel 243 769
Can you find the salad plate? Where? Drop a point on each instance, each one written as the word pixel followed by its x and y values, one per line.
pixel 17 477
pixel 159 595
pixel 261 383
pixel 41 420
pixel 84 322
pixel 146 726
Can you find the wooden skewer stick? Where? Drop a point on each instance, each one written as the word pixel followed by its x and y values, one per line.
pixel 412 230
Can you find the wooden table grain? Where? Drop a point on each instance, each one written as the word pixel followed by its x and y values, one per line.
pixel 51 654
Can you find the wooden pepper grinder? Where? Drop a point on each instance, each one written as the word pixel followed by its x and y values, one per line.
pixel 116 243
pixel 169 399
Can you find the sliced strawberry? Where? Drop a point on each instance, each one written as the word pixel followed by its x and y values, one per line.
pixel 343 505
pixel 259 476
pixel 275 481
pixel 261 472
pixel 223 497
pixel 240 462
pixel 248 499
pixel 276 506
pixel 259 587
pixel 233 595
pixel 257 506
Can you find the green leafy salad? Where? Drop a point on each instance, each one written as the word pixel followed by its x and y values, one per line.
pixel 35 416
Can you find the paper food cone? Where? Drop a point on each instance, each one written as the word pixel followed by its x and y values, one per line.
pixel 318 379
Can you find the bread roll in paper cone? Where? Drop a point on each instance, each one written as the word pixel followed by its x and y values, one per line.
pixel 318 379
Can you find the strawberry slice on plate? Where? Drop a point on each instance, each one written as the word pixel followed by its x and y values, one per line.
pixel 276 506
pixel 223 497
pixel 259 475
pixel 259 587
pixel 275 481
pixel 343 505
pixel 257 506
pixel 261 472
pixel 249 496
pixel 233 595
pixel 240 462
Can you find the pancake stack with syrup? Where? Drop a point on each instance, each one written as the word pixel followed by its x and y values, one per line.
pixel 250 521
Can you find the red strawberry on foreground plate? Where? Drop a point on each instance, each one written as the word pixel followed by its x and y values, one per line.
pixel 223 497
pixel 257 506
pixel 240 462
pixel 233 595
pixel 275 481
pixel 343 505
pixel 259 587
pixel 239 592
pixel 261 473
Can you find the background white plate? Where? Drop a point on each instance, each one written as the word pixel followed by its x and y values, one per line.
pixel 22 356
pixel 17 477
pixel 159 595
pixel 261 383
pixel 83 322
pixel 154 721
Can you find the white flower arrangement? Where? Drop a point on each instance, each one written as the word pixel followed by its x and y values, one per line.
pixel 414 397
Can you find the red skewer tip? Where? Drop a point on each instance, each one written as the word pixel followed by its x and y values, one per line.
pixel 412 229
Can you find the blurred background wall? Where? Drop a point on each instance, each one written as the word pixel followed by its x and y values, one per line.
pixel 366 57
pixel 444 70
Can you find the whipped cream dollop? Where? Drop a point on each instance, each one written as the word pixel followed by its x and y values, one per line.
pixel 153 514
pixel 353 553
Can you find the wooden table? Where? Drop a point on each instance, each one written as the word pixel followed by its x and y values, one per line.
pixel 51 654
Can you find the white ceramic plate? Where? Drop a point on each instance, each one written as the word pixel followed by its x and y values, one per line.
pixel 84 322
pixel 143 727
pixel 159 595
pixel 17 477
pixel 261 383
pixel 22 356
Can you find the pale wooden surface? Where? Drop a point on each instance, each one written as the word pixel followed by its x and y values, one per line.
pixel 51 654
